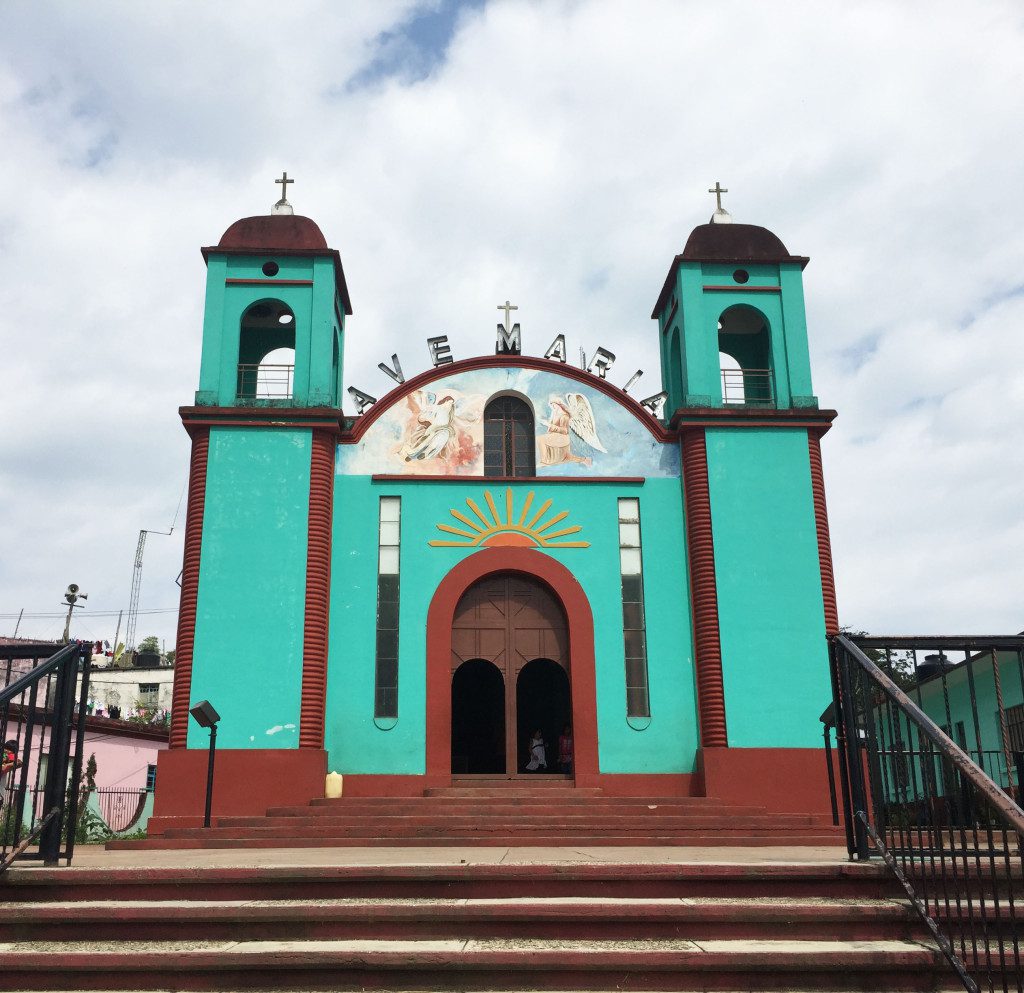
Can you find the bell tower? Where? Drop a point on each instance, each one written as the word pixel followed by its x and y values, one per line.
pixel 731 320
pixel 256 575
pixel 736 368
pixel 276 306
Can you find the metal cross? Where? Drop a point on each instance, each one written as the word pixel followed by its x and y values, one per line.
pixel 283 183
pixel 718 190
pixel 508 308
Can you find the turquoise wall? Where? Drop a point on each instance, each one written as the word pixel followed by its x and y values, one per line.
pixel 247 659
pixel 318 366
pixel 954 706
pixel 771 615
pixel 698 382
pixel 357 745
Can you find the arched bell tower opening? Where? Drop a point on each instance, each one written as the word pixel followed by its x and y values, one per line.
pixel 745 338
pixel 266 352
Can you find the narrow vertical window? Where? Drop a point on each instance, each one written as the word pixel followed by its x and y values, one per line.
pixel 386 686
pixel 633 626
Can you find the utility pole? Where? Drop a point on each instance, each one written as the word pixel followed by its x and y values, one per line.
pixel 18 625
pixel 72 596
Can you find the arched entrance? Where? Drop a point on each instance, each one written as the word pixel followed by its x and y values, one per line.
pixel 478 718
pixel 513 627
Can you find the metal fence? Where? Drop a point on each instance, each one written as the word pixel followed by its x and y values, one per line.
pixel 42 732
pixel 265 382
pixel 753 387
pixel 948 829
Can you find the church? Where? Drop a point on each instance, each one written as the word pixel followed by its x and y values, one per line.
pixel 504 547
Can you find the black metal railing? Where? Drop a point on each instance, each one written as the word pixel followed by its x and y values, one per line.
pixel 265 382
pixel 939 812
pixel 753 387
pixel 42 700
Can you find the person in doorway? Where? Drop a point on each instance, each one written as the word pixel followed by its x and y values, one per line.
pixel 538 758
pixel 565 750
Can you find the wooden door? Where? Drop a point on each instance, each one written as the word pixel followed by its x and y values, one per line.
pixel 510 620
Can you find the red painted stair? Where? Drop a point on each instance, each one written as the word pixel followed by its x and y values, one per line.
pixel 559 926
pixel 492 816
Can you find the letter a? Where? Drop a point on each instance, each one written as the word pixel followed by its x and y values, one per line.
pixel 556 350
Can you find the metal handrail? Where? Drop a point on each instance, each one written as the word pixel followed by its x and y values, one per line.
pixel 952 837
pixel 964 763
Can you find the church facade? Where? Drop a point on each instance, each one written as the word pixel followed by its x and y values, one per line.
pixel 503 545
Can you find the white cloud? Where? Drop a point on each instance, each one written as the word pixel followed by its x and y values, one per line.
pixel 557 156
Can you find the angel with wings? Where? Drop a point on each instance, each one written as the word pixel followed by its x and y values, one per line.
pixel 439 427
pixel 573 414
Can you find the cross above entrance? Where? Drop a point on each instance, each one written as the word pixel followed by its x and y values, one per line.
pixel 718 190
pixel 283 183
pixel 508 308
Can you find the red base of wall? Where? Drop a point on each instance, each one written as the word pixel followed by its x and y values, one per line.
pixel 246 781
pixel 785 780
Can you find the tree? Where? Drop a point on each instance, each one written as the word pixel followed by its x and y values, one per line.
pixel 898 666
pixel 149 646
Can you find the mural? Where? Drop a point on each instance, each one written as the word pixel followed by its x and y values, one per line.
pixel 486 531
pixel 439 430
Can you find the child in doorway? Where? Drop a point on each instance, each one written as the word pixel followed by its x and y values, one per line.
pixel 538 758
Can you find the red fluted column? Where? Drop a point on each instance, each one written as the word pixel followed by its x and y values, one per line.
pixel 704 590
pixel 189 587
pixel 828 583
pixel 318 591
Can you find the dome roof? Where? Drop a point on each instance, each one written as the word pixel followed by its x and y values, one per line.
pixel 727 242
pixel 280 234
pixel 274 231
pixel 734 243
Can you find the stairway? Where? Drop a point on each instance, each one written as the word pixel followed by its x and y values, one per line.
pixel 559 926
pixel 538 815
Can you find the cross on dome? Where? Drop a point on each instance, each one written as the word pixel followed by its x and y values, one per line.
pixel 721 215
pixel 283 206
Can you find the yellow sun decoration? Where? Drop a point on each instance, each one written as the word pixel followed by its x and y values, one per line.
pixel 527 532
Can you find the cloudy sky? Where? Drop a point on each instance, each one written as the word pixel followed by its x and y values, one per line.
pixel 556 153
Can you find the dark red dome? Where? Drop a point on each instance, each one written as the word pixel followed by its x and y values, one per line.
pixel 734 243
pixel 289 232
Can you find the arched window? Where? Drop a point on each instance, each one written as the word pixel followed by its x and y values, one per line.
pixel 509 447
pixel 266 352
pixel 744 336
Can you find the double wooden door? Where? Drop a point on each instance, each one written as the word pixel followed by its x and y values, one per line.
pixel 511 622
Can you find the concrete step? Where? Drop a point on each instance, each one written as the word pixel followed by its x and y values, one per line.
pixel 538 881
pixel 575 918
pixel 473 964
pixel 511 822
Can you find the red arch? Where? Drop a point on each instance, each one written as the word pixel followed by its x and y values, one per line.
pixel 564 585
pixel 362 424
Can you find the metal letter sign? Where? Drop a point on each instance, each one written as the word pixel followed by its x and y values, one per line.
pixel 656 404
pixel 556 350
pixel 396 373
pixel 440 352
pixel 509 342
pixel 601 362
pixel 362 400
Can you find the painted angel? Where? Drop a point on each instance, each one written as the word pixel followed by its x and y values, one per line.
pixel 438 425
pixel 569 414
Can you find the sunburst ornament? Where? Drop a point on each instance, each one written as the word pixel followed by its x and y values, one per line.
pixel 528 530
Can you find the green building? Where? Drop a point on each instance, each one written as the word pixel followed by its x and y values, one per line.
pixel 502 545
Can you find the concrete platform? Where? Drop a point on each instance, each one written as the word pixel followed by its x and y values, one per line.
pixel 97 857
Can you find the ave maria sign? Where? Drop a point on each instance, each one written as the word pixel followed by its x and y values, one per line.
pixel 510 343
